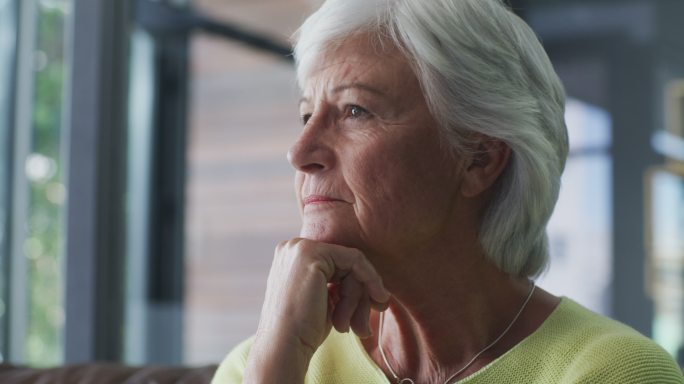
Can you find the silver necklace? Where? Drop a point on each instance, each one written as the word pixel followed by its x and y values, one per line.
pixel 410 381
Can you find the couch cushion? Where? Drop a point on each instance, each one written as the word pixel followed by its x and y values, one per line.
pixel 101 373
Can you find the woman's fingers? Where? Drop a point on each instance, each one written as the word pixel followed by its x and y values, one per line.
pixel 351 293
pixel 352 308
pixel 380 307
pixel 348 261
pixel 360 320
pixel 360 289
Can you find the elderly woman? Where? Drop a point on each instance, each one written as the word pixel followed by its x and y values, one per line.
pixel 428 165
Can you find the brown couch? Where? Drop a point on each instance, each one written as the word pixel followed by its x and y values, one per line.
pixel 97 373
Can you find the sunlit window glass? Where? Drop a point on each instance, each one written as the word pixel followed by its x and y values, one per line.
pixel 580 229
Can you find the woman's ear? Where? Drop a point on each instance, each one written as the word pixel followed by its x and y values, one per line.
pixel 484 165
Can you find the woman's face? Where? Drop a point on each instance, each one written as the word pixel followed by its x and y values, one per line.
pixel 371 172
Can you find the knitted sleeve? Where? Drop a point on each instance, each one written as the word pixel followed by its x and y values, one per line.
pixel 233 366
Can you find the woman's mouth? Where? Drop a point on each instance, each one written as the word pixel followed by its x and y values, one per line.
pixel 318 199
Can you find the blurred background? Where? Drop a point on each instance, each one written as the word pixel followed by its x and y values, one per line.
pixel 144 184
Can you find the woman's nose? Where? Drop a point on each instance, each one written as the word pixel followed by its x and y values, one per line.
pixel 312 151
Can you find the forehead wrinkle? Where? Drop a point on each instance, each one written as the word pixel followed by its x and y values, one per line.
pixel 344 87
pixel 358 65
pixel 355 84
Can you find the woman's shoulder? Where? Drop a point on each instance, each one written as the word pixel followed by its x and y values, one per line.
pixel 575 345
pixel 571 319
pixel 599 349
pixel 582 328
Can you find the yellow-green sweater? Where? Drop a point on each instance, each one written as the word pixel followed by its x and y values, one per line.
pixel 573 345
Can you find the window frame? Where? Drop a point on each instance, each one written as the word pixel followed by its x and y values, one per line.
pixel 6 137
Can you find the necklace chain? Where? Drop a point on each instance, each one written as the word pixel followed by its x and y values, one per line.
pixel 410 381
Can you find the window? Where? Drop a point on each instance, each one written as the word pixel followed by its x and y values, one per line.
pixel 580 229
pixel 8 35
pixel 34 134
pixel 44 243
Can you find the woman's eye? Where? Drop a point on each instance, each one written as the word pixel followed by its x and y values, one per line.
pixel 356 112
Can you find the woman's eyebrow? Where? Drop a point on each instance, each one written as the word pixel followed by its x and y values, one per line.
pixel 344 87
pixel 361 86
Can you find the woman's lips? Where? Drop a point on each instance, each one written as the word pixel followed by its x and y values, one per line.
pixel 318 199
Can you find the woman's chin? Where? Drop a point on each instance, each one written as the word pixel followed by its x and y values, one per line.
pixel 329 234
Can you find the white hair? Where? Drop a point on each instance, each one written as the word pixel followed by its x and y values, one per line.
pixel 483 71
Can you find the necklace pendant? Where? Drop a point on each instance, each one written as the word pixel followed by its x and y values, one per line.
pixel 406 381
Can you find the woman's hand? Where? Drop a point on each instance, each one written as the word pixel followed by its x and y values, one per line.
pixel 312 287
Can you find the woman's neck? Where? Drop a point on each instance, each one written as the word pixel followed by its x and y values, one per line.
pixel 444 312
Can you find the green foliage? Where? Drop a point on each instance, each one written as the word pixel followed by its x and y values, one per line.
pixel 44 246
